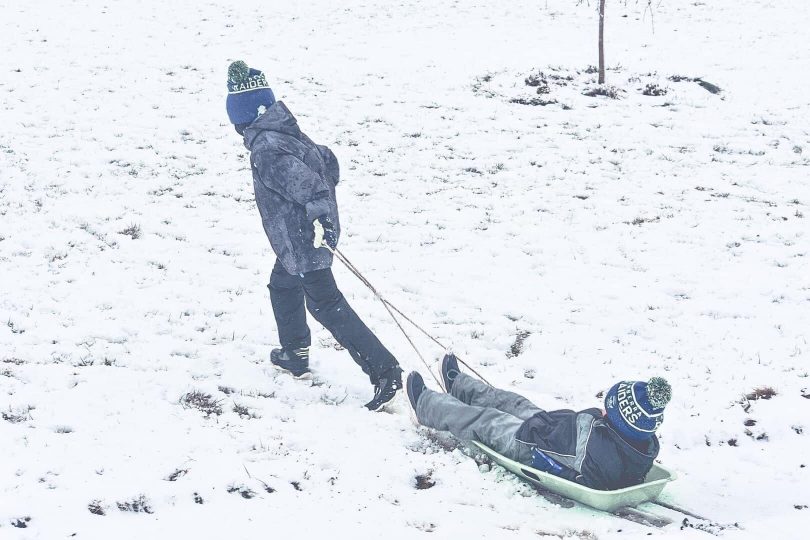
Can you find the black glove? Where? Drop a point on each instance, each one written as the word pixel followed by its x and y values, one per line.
pixel 325 233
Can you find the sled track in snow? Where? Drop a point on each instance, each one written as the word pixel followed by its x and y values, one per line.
pixel 687 518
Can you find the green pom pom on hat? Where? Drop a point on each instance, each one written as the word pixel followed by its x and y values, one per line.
pixel 659 392
pixel 238 72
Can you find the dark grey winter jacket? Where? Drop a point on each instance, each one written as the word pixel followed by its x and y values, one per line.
pixel 591 451
pixel 294 180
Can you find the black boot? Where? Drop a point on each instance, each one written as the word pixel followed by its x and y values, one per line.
pixel 386 389
pixel 415 387
pixel 449 370
pixel 293 361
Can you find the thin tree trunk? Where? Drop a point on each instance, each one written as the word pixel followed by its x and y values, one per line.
pixel 601 41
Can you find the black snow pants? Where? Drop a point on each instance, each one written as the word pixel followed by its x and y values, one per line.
pixel 327 304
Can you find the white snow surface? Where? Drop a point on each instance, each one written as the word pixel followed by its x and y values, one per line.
pixel 632 237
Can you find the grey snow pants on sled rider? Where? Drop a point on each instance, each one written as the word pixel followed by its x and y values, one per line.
pixel 475 411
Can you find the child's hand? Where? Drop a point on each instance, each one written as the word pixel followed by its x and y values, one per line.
pixel 325 233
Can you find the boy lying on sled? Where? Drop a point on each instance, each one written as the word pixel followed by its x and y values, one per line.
pixel 606 451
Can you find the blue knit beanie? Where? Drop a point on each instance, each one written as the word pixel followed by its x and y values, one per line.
pixel 247 91
pixel 636 409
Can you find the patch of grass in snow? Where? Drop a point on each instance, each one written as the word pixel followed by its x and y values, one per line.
pixel 133 231
pixel 101 237
pixel 582 535
pixel 260 394
pixel 642 220
pixel 85 362
pixel 568 533
pixel 242 490
pixel 96 507
pixel 243 411
pixel 538 81
pixel 15 329
pixel 179 473
pixel 761 392
pixel 227 390
pixel 605 90
pixel 139 504
pixel 202 402
pixel 18 415
pixel 518 345
pixel 533 101
pixel 480 83
pixel 653 89
pixel 424 481
pixel 761 436
pixel 21 522
pixel 159 192
pixel 423 526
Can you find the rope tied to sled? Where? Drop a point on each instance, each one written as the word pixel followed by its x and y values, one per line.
pixel 392 309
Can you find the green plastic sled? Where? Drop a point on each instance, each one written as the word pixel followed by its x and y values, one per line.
pixel 607 501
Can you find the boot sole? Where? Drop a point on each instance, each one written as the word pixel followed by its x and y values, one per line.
pixel 412 416
pixel 302 377
pixel 446 383
pixel 383 405
pixel 411 408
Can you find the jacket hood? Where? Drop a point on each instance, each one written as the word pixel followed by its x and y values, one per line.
pixel 276 118
pixel 639 450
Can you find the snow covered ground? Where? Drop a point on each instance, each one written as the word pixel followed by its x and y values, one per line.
pixel 621 238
